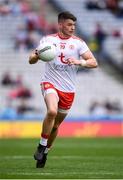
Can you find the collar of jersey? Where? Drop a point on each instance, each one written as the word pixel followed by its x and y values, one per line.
pixel 63 37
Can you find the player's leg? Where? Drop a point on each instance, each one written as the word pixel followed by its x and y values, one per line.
pixel 58 120
pixel 64 105
pixel 51 101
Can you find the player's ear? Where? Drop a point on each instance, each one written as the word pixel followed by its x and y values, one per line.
pixel 60 25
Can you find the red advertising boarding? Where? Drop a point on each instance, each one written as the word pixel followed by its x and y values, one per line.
pixel 91 129
pixel 29 129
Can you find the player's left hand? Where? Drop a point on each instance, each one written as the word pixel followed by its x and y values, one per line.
pixel 73 61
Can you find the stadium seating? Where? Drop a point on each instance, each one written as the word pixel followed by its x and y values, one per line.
pixel 92 85
pixel 87 20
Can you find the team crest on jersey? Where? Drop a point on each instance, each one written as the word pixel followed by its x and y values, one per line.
pixel 46 86
pixel 71 46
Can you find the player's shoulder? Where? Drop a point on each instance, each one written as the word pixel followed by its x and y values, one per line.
pixel 52 35
pixel 49 37
pixel 77 38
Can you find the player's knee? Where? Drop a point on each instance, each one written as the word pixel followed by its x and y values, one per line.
pixel 52 113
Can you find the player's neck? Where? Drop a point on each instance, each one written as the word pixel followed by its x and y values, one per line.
pixel 63 36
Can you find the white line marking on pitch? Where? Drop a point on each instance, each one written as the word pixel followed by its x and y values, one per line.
pixel 59 157
pixel 63 173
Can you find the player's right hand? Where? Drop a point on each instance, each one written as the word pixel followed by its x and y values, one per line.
pixel 73 61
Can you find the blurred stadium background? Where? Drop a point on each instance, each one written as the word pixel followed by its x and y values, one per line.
pixel 98 106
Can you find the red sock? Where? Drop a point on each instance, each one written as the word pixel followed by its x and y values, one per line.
pixel 45 136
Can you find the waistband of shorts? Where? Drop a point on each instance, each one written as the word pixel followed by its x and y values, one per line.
pixel 72 92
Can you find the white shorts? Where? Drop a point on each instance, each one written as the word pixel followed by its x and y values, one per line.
pixel 65 99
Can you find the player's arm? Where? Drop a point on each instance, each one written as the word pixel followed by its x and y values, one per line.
pixel 33 58
pixel 87 59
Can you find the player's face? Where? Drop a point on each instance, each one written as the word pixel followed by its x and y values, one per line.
pixel 67 27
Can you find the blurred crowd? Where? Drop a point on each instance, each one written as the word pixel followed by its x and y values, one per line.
pixel 18 94
pixel 114 6
pixel 108 107
pixel 96 41
pixel 34 23
pixel 29 30
pixel 33 26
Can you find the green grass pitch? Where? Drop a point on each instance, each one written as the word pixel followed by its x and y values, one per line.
pixel 71 158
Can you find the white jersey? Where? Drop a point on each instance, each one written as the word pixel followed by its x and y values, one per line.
pixel 57 71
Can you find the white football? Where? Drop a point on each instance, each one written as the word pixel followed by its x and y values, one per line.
pixel 47 51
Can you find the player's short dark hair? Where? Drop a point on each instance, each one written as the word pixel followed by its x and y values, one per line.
pixel 66 15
